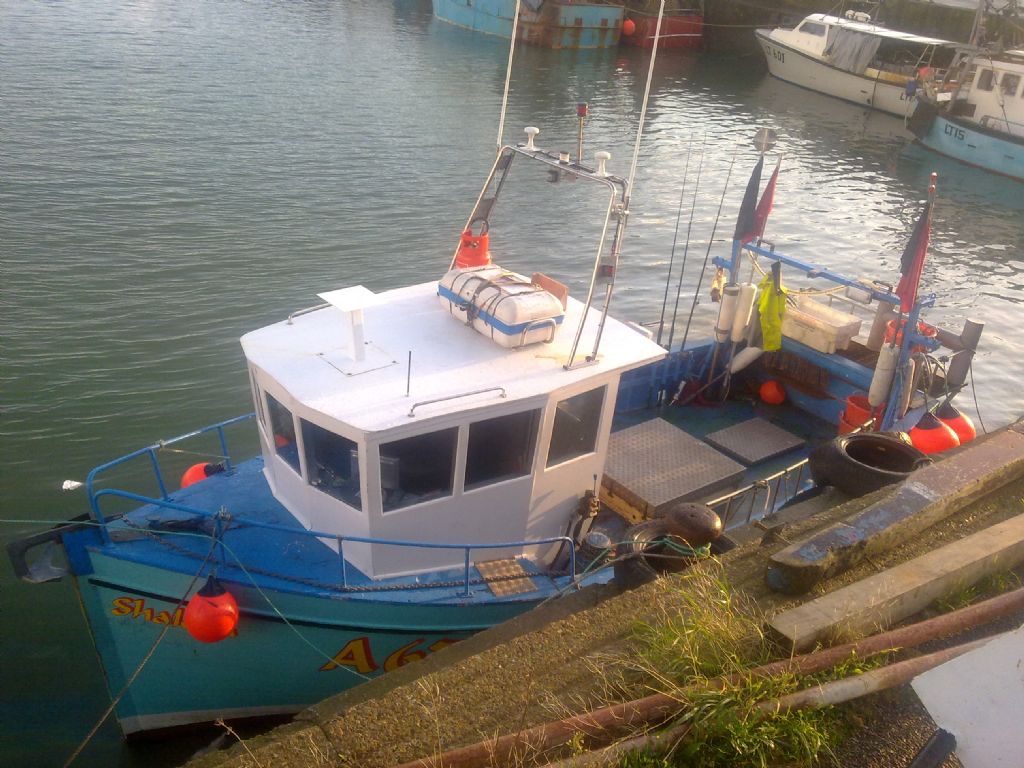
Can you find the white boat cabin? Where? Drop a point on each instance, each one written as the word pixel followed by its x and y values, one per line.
pixel 386 416
pixel 991 91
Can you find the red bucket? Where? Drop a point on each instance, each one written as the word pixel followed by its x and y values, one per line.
pixel 858 410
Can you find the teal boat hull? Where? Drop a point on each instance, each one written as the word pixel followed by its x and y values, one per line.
pixel 291 648
pixel 968 142
pixel 552 25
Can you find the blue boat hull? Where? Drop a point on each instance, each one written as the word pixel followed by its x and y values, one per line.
pixel 968 142
pixel 292 648
pixel 552 25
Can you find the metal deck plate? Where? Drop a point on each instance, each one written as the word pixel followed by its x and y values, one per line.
pixel 754 440
pixel 659 463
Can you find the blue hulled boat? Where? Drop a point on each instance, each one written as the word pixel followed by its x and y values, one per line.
pixel 434 459
pixel 975 114
pixel 550 23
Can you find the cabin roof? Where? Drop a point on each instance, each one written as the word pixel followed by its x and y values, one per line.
pixel 311 358
pixel 876 30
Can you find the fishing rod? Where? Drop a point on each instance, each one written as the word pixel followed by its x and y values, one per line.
pixel 675 237
pixel 686 246
pixel 707 254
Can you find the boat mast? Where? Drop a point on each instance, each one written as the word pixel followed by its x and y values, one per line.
pixel 508 74
pixel 606 269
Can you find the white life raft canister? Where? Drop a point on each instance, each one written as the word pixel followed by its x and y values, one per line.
pixel 502 305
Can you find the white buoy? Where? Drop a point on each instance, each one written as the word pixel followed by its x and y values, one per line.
pixel 909 369
pixel 70 485
pixel 744 357
pixel 881 379
pixel 726 313
pixel 744 305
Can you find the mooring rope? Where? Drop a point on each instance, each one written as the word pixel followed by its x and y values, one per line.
pixel 145 659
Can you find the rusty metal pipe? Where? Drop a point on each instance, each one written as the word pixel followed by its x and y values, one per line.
pixel 609 721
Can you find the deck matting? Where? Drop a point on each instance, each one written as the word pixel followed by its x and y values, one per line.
pixel 659 463
pixel 505 577
pixel 754 440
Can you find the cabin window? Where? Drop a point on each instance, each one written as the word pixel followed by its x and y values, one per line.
pixel 501 448
pixel 575 429
pixel 985 80
pixel 282 428
pixel 332 463
pixel 810 28
pixel 418 468
pixel 1009 83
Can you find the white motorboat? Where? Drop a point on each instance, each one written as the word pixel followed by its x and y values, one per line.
pixel 855 59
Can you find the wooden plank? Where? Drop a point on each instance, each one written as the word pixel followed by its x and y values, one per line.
pixel 894 594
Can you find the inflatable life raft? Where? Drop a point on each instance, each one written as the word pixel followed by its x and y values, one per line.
pixel 512 310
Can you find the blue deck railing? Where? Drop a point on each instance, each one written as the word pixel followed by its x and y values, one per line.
pixel 166 502
pixel 151 451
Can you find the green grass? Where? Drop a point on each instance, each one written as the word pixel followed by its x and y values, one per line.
pixel 711 633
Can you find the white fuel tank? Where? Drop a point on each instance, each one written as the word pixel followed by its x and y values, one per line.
pixel 504 306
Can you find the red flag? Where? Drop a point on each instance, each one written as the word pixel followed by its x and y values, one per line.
pixel 764 206
pixel 746 223
pixel 912 261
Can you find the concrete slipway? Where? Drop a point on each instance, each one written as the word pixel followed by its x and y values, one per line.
pixel 539 667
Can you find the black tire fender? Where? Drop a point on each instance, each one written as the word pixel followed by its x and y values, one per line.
pixel 643 555
pixel 861 463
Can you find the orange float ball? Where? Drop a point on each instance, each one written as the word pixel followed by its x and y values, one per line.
pixel 932 436
pixel 772 392
pixel 212 613
pixel 628 27
pixel 194 474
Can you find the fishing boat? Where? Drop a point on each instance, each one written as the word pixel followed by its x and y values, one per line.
pixel 854 59
pixel 682 25
pixel 975 113
pixel 437 458
pixel 550 24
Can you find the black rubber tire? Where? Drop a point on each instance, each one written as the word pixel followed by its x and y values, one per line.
pixel 864 462
pixel 642 556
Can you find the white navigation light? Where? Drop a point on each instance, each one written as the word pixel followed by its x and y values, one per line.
pixel 602 157
pixel 530 133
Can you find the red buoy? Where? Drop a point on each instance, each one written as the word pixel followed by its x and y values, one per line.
pixel 212 613
pixel 198 472
pixel 628 27
pixel 932 436
pixel 957 421
pixel 772 392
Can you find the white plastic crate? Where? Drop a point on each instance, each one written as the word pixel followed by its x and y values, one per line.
pixel 819 327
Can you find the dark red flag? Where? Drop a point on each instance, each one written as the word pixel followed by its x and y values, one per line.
pixel 764 206
pixel 746 222
pixel 912 261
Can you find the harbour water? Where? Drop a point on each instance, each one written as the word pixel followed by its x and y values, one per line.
pixel 174 174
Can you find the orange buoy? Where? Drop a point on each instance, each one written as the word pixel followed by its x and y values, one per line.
pixel 772 392
pixel 628 27
pixel 474 250
pixel 959 422
pixel 212 613
pixel 198 472
pixel 932 436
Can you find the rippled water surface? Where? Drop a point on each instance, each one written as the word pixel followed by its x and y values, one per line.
pixel 174 174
